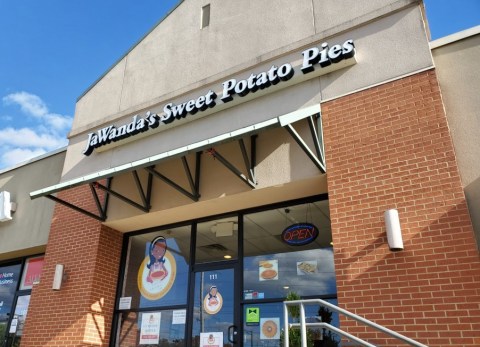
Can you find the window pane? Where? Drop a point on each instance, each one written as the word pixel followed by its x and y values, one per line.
pixel 272 268
pixel 269 330
pixel 9 276
pixel 156 273
pixel 156 328
pixel 217 240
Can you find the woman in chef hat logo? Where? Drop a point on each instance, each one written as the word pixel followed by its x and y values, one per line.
pixel 157 272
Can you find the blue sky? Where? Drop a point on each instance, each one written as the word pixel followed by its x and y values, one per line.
pixel 52 51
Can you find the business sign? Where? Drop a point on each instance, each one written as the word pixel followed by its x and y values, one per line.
pixel 300 234
pixel 313 58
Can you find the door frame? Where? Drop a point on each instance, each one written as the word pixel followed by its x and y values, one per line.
pixel 237 319
pixel 235 264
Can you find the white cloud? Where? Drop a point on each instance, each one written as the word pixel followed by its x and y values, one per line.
pixel 29 103
pixel 19 155
pixel 46 133
pixel 26 137
pixel 33 105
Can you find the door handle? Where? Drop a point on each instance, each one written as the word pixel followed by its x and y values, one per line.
pixel 232 333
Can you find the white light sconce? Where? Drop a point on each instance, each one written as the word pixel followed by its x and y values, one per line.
pixel 6 207
pixel 394 232
pixel 58 277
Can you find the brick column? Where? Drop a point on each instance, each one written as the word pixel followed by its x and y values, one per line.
pixel 80 314
pixel 390 147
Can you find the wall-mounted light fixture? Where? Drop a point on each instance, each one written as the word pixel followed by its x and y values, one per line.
pixel 6 207
pixel 394 232
pixel 58 277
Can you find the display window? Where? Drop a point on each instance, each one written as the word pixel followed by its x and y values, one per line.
pixel 16 282
pixel 193 284
pixel 9 277
pixel 264 324
pixel 272 266
pixel 157 268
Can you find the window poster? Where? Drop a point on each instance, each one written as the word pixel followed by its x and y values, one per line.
pixel 269 328
pixel 212 339
pixel 31 273
pixel 268 270
pixel 150 328
pixel 158 270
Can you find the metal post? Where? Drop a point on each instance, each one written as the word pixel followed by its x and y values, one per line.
pixel 287 326
pixel 303 329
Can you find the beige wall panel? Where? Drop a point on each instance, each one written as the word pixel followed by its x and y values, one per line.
pixel 103 99
pixel 178 53
pixel 329 14
pixel 27 233
pixel 458 72
pixel 222 204
pixel 399 39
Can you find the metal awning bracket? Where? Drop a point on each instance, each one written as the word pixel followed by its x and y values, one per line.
pixel 318 158
pixel 250 181
pixel 194 183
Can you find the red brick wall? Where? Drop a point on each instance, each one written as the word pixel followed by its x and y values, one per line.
pixel 390 147
pixel 80 314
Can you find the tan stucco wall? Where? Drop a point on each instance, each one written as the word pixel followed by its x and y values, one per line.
pixel 458 70
pixel 27 233
pixel 161 69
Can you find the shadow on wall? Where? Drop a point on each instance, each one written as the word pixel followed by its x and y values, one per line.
pixel 472 193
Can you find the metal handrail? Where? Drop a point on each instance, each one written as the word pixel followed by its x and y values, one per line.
pixel 303 324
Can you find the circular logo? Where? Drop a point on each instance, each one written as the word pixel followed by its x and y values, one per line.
pixel 154 283
pixel 212 305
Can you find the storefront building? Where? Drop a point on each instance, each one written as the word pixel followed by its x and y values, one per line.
pixel 241 152
pixel 24 229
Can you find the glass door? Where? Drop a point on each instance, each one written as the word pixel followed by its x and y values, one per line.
pixel 215 322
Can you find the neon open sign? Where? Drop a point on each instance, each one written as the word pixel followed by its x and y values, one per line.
pixel 300 234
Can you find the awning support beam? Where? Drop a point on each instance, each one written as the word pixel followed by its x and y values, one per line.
pixel 317 160
pixel 121 197
pixel 101 209
pixel 249 164
pixel 194 195
pixel 146 202
pixel 214 153
pixel 76 208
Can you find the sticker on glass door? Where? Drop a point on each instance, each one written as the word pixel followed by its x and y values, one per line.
pixel 213 339
pixel 213 301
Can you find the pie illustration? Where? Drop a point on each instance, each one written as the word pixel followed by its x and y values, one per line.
pixel 269 329
pixel 267 265
pixel 268 274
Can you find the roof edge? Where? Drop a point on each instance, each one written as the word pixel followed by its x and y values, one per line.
pixel 455 37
